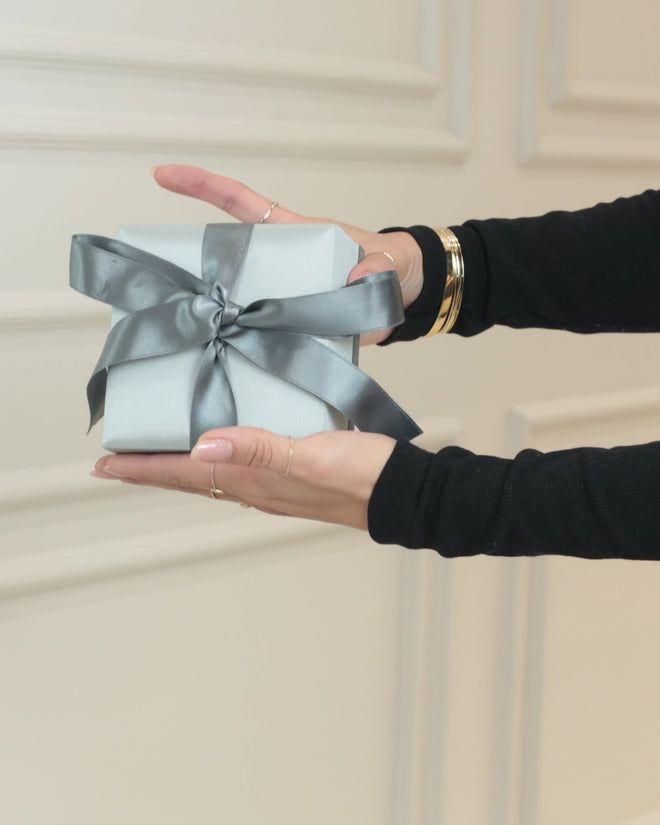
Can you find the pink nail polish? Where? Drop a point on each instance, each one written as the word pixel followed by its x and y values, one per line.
pixel 218 450
pixel 108 468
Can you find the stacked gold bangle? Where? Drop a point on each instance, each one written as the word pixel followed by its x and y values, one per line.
pixel 453 294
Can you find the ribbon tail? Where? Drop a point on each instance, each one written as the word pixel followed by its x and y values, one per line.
pixel 213 403
pixel 370 303
pixel 96 396
pixel 159 330
pixel 126 277
pixel 309 364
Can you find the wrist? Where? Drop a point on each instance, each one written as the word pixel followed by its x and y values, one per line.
pixel 408 256
pixel 422 312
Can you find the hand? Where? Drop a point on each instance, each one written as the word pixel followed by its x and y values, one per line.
pixel 242 203
pixel 327 476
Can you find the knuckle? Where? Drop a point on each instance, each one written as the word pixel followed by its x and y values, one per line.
pixel 260 454
pixel 231 201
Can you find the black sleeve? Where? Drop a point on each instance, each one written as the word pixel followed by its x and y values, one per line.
pixel 588 502
pixel 595 270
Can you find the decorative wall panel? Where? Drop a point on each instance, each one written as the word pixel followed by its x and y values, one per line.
pixel 127 92
pixel 590 84
pixel 570 682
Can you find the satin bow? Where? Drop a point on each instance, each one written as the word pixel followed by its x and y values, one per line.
pixel 170 310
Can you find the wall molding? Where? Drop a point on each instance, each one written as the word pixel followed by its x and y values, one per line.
pixel 569 150
pixel 523 595
pixel 36 310
pixel 299 139
pixel 387 83
pixel 69 483
pixel 422 677
pixel 57 484
pixel 21 575
pixel 60 51
pixel 567 99
pixel 523 588
pixel 516 748
pixel 608 96
pixel 423 651
pixel 527 422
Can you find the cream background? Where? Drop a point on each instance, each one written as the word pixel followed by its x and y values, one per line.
pixel 165 660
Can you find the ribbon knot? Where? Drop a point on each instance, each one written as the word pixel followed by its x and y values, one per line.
pixel 223 316
pixel 219 298
pixel 170 310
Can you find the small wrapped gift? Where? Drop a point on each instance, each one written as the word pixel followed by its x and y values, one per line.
pixel 233 324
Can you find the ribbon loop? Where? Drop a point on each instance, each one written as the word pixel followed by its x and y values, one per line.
pixel 171 310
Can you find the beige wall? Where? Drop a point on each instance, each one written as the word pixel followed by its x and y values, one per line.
pixel 166 660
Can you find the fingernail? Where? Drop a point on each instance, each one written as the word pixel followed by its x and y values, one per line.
pixel 100 471
pixel 153 171
pixel 111 471
pixel 218 450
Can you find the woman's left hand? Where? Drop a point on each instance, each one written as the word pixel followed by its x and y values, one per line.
pixel 395 250
pixel 327 476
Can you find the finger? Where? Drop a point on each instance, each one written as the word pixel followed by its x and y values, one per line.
pixel 248 447
pixel 227 194
pixel 173 471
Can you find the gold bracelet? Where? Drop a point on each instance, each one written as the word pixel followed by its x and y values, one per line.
pixel 453 295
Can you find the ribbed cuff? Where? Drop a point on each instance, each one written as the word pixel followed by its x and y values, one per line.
pixel 472 318
pixel 421 314
pixel 392 513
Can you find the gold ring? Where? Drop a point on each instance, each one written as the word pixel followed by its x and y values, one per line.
pixel 245 505
pixel 214 491
pixel 290 459
pixel 387 255
pixel 268 211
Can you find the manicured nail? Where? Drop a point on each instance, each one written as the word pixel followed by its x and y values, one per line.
pixel 218 450
pixel 153 171
pixel 111 471
pixel 101 472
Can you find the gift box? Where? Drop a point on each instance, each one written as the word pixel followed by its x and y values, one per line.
pixel 144 411
pixel 233 324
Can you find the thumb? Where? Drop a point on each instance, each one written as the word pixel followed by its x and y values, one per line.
pixel 374 262
pixel 246 447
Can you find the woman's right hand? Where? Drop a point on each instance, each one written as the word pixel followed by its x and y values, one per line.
pixel 242 203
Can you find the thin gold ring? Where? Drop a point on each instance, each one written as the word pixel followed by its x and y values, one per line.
pixel 268 211
pixel 290 458
pixel 387 255
pixel 214 491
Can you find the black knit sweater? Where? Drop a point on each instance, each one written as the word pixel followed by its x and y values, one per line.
pixel 563 270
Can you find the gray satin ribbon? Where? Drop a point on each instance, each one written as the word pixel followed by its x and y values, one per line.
pixel 172 310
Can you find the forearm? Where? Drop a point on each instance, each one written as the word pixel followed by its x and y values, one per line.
pixel 593 270
pixel 589 502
